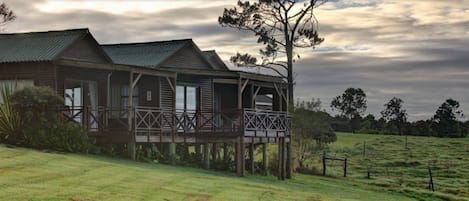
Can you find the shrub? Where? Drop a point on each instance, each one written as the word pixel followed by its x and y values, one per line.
pixel 66 137
pixel 37 105
pixel 10 119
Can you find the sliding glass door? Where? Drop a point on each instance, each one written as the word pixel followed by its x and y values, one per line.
pixel 186 106
pixel 78 95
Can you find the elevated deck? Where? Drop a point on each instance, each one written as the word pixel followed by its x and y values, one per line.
pixel 151 124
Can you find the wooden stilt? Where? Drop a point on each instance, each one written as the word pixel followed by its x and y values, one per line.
pixel 172 152
pixel 288 162
pixel 214 151
pixel 206 156
pixel 251 158
pixel 240 157
pixel 279 158
pixel 225 153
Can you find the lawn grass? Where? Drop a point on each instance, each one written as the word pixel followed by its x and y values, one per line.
pixel 393 166
pixel 26 174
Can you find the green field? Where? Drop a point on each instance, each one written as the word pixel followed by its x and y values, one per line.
pixel 393 166
pixel 33 175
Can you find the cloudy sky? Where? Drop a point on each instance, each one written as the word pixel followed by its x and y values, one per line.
pixel 416 50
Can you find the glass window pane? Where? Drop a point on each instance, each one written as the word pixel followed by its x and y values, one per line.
pixel 191 102
pixel 179 97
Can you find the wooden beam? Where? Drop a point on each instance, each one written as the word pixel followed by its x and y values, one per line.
pixel 135 82
pixel 171 85
pixel 255 94
pixel 225 81
pixel 240 95
pixel 116 67
pixel 280 93
pixel 244 85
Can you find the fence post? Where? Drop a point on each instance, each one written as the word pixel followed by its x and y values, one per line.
pixel 430 183
pixel 324 164
pixel 345 167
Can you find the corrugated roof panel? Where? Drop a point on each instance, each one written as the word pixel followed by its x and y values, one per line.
pixel 143 54
pixel 36 46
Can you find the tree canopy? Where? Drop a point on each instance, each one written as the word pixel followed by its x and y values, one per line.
pixel 351 104
pixel 7 14
pixel 281 26
pixel 311 129
pixel 395 114
pixel 446 120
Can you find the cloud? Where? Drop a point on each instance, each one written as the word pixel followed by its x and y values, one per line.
pixel 414 50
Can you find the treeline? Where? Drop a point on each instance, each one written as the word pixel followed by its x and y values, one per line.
pixel 351 105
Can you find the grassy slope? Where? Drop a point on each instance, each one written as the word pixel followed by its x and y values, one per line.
pixel 31 175
pixel 405 170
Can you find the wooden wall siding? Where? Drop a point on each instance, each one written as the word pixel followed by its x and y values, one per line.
pixel 187 57
pixel 149 83
pixel 166 95
pixel 43 73
pixel 205 89
pixel 100 76
pixel 85 49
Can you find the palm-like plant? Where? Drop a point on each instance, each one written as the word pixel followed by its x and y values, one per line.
pixel 10 120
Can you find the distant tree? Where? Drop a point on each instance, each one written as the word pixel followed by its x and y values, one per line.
pixel 7 14
pixel 369 124
pixel 351 104
pixel 446 120
pixel 422 128
pixel 394 114
pixel 311 130
pixel 280 25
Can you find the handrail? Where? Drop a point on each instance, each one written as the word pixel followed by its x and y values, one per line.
pixel 166 121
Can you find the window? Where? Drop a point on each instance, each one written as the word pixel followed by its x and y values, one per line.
pixel 120 100
pixel 125 96
pixel 186 97
pixel 14 85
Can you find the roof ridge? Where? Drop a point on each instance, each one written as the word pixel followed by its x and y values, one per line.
pixel 49 31
pixel 148 43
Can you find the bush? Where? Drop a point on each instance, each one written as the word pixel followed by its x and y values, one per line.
pixel 66 137
pixel 10 120
pixel 34 110
pixel 37 105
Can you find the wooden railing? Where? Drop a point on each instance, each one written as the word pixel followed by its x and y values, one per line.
pixel 266 123
pixel 160 121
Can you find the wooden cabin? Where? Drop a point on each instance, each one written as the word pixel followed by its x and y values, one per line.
pixel 155 92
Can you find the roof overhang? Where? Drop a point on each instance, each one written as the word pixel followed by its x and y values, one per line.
pixel 116 67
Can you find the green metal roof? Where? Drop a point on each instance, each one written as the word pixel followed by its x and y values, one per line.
pixel 150 54
pixel 36 46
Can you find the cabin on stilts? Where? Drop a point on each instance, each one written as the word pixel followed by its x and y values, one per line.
pixel 164 93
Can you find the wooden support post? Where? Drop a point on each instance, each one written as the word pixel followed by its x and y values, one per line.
pixel 206 156
pixel 431 187
pixel 214 151
pixel 289 162
pixel 131 143
pixel 264 158
pixel 251 158
pixel 240 157
pixel 172 152
pixel 283 158
pixel 345 167
pixel 225 153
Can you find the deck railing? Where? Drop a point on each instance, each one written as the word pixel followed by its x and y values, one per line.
pixel 161 121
